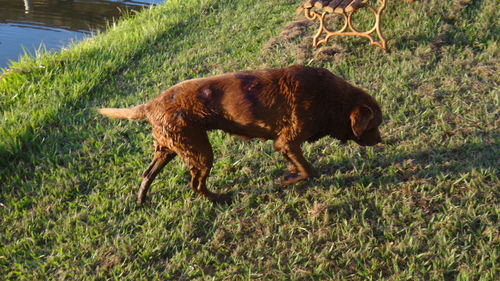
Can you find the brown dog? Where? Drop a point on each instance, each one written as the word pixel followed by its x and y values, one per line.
pixel 290 105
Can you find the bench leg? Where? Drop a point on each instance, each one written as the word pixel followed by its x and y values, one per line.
pixel 348 29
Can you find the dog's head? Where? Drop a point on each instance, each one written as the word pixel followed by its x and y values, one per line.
pixel 365 120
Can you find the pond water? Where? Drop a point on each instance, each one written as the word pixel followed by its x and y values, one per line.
pixel 26 24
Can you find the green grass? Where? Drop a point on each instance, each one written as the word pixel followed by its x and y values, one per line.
pixel 423 206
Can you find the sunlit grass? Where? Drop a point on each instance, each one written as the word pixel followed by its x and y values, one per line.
pixel 422 206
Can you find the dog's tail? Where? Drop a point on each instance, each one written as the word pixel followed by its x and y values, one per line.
pixel 132 113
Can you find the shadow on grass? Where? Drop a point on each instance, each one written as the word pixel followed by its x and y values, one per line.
pixel 432 161
pixel 427 164
pixel 209 234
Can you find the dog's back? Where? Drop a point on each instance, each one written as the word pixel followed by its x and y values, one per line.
pixel 250 103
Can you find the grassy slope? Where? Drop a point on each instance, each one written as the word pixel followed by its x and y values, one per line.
pixel 425 206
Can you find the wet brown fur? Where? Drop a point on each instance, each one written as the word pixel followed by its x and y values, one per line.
pixel 289 106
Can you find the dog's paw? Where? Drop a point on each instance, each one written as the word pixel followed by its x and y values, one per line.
pixel 291 179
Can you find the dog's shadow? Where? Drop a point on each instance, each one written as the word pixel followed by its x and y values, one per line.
pixel 426 164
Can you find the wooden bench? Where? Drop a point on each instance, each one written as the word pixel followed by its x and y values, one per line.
pixel 319 9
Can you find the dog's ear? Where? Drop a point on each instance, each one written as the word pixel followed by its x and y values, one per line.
pixel 360 117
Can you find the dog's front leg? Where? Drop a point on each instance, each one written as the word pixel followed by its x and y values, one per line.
pixel 300 169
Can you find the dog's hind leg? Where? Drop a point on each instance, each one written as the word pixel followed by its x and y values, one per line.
pixel 161 158
pixel 198 184
pixel 293 154
pixel 196 151
pixel 292 169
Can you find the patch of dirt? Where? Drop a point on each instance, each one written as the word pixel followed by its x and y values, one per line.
pixel 304 51
pixel 291 31
pixel 487 70
pixel 427 90
pixel 296 39
pixel 295 29
pixel 332 52
pixel 457 7
pixel 317 209
pixel 109 260
pixel 442 39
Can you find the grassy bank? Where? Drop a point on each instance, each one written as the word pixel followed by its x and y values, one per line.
pixel 422 206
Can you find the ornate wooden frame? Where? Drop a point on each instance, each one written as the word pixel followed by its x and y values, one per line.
pixel 348 29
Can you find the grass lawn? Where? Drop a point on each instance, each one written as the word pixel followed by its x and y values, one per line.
pixel 422 206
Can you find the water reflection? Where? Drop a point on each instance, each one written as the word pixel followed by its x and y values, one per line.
pixel 28 23
pixel 28 4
